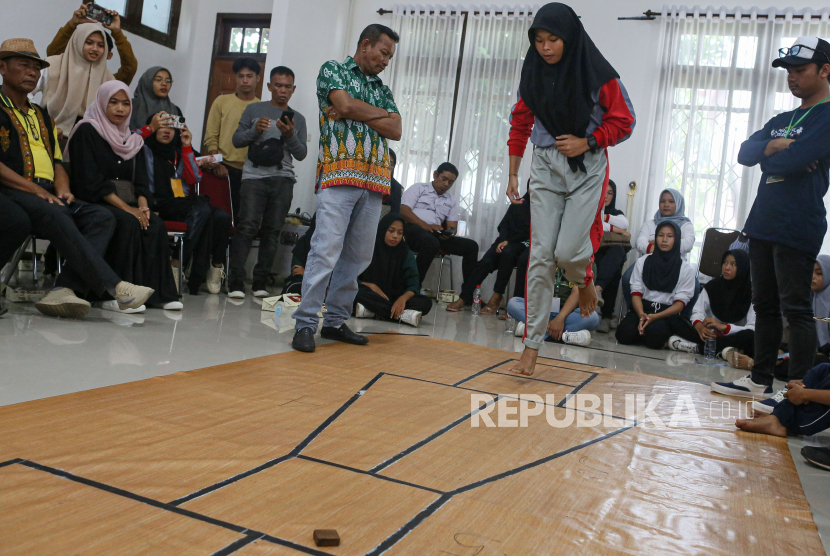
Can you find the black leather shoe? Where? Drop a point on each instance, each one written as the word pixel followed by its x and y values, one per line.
pixel 817 456
pixel 304 340
pixel 343 334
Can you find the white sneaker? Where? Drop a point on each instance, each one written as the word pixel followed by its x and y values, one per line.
pixel 62 302
pixel 361 312
pixel 743 388
pixel 215 276
pixel 173 306
pixel 113 306
pixel 411 317
pixel 520 330
pixel 676 343
pixel 676 359
pixel 236 294
pixel 766 406
pixel 580 338
pixel 130 296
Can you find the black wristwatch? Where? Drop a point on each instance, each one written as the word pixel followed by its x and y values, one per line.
pixel 592 142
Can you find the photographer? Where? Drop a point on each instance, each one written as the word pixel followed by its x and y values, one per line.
pixel 275 136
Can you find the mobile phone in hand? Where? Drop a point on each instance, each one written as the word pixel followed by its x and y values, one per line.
pixel 98 13
pixel 287 116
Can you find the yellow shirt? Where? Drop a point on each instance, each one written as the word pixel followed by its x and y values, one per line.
pixel 44 168
pixel 223 119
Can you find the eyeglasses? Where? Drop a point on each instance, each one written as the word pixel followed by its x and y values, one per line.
pixel 796 49
pixel 163 80
pixel 31 125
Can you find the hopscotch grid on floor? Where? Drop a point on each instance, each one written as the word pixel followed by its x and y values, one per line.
pixel 251 535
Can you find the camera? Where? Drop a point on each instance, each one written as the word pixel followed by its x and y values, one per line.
pixel 176 122
pixel 98 13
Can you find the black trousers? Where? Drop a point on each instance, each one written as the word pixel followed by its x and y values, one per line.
pixel 14 228
pixel 207 236
pixel 610 261
pixel 657 333
pixel 142 256
pixel 519 290
pixel 743 340
pixel 781 280
pixel 427 244
pixel 80 232
pixel 235 177
pixel 382 308
pixel 503 263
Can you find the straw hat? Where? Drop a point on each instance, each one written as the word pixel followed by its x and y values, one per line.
pixel 21 48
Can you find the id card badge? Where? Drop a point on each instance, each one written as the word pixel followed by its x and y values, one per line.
pixel 176 186
pixel 775 179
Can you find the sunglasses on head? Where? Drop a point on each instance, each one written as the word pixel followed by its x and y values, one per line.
pixel 796 49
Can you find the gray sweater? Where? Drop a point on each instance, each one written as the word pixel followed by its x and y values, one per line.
pixel 294 148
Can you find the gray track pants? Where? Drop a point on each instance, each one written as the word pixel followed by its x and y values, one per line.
pixel 563 210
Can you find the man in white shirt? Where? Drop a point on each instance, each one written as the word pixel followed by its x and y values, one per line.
pixel 431 214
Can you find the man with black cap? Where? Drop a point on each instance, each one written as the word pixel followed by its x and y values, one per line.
pixel 33 179
pixel 787 223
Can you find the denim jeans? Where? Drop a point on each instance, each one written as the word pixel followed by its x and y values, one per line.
pixel 573 322
pixel 265 203
pixel 341 248
pixel 781 280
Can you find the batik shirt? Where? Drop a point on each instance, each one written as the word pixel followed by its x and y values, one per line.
pixel 352 153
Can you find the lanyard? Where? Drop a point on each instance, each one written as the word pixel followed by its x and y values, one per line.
pixel 791 126
pixel 30 126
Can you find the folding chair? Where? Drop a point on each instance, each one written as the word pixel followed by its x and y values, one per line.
pixel 444 257
pixel 716 242
pixel 15 260
pixel 218 190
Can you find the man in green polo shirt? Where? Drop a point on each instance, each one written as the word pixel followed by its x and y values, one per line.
pixel 357 116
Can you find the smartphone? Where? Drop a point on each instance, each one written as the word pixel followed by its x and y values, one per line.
pixel 98 13
pixel 287 116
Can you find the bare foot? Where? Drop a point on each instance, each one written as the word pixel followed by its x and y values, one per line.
pixel 766 424
pixel 456 305
pixel 493 305
pixel 587 300
pixel 527 364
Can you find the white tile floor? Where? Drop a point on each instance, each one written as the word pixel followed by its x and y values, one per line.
pixel 42 357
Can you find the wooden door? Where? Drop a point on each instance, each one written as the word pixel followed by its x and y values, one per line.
pixel 236 36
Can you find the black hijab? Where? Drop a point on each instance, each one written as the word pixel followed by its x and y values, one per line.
pixel 612 208
pixel 560 94
pixel 730 299
pixel 661 271
pixel 515 226
pixel 386 270
pixel 165 159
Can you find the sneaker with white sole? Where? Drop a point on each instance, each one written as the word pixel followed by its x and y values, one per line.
pixel 361 312
pixel 113 306
pixel 130 296
pixel 236 290
pixel 215 276
pixel 173 306
pixel 411 317
pixel 742 388
pixel 580 338
pixel 767 405
pixel 520 330
pixel 676 343
pixel 259 290
pixel 62 302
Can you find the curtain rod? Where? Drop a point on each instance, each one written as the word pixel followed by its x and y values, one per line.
pixel 651 15
pixel 453 12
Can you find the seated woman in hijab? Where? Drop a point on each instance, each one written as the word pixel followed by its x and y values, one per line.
pixel 173 174
pixel 109 168
pixel 151 100
pixel 611 258
pixel 662 284
pixel 393 201
pixel 723 312
pixel 389 288
pixel 672 209
pixel 502 257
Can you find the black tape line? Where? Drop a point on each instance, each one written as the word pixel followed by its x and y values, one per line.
pixel 410 526
pixel 566 361
pixel 471 377
pixel 576 390
pixel 362 472
pixel 236 545
pixel 12 462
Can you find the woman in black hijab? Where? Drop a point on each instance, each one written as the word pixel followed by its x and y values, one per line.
pixel 503 256
pixel 389 288
pixel 661 285
pixel 723 311
pixel 573 107
pixel 610 258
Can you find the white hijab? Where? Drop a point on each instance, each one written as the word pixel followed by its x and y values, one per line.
pixel 73 81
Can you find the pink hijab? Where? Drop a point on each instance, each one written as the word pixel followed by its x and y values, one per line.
pixel 123 142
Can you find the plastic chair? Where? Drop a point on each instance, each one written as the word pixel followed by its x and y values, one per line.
pixel 716 242
pixel 15 260
pixel 444 256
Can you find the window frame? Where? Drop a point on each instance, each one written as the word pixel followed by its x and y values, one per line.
pixel 131 21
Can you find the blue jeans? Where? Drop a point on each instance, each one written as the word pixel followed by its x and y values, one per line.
pixel 341 248
pixel 626 286
pixel 573 322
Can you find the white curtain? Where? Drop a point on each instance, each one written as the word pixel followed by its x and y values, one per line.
pixel 716 87
pixel 494 50
pixel 422 80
